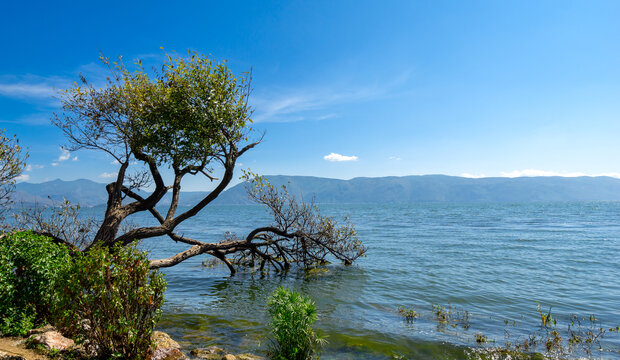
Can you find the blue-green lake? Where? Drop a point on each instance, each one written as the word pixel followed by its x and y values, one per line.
pixel 496 261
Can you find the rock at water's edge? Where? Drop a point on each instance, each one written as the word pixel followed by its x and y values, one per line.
pixel 161 340
pixel 210 353
pixel 52 340
pixel 247 356
pixel 167 354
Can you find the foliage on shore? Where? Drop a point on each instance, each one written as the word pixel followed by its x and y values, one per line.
pixel 29 269
pixel 292 316
pixel 111 299
pixel 107 298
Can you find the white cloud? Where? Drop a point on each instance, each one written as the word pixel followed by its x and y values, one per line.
pixel 337 157
pixel 536 172
pixel 107 175
pixel 75 158
pixel 22 177
pixel 33 167
pixel 64 155
pixel 473 176
pixel 394 158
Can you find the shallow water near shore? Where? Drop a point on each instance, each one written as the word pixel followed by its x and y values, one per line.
pixel 495 261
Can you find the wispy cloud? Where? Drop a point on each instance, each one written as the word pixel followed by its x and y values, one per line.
pixel 535 172
pixel 40 89
pixel 327 116
pixel 22 177
pixel 36 119
pixel 285 105
pixel 43 89
pixel 33 167
pixel 24 90
pixel 337 157
pixel 395 158
pixel 108 175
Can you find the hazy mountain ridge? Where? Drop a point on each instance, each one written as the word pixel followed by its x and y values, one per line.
pixel 392 189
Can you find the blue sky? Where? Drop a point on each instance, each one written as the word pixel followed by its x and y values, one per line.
pixel 475 88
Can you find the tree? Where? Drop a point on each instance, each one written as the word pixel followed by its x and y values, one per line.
pixel 12 163
pixel 191 117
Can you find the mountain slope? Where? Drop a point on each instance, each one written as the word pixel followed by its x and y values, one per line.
pixel 441 188
pixel 406 189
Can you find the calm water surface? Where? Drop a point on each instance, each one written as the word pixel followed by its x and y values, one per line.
pixel 497 261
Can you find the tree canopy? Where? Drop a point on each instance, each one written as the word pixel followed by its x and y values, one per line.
pixel 190 116
pixel 12 164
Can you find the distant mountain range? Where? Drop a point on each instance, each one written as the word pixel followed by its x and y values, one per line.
pixel 406 189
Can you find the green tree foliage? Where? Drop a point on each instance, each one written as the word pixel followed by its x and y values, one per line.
pixel 29 267
pixel 112 299
pixel 12 163
pixel 292 316
pixel 190 116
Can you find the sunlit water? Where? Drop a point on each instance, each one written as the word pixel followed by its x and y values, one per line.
pixel 497 261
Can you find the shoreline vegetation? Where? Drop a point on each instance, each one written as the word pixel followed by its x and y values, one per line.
pixel 30 284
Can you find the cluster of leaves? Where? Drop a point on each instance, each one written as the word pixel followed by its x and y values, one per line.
pixel 106 298
pixel 12 163
pixel 29 269
pixel 180 115
pixel 407 313
pixel 299 234
pixel 292 316
pixel 112 300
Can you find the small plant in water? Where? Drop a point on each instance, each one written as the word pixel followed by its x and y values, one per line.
pixel 481 338
pixel 451 316
pixel 292 316
pixel 409 314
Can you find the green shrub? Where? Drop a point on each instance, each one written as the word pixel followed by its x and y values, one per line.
pixel 29 266
pixel 112 300
pixel 292 316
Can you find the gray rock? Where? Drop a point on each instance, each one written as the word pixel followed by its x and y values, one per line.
pixel 161 340
pixel 40 330
pixel 6 356
pixel 247 356
pixel 52 340
pixel 210 353
pixel 167 354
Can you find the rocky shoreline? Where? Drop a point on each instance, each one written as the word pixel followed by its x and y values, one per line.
pixel 46 342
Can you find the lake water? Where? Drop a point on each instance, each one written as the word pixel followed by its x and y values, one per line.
pixel 495 261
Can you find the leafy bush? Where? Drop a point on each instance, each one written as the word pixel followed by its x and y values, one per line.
pixel 292 316
pixel 112 302
pixel 29 266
